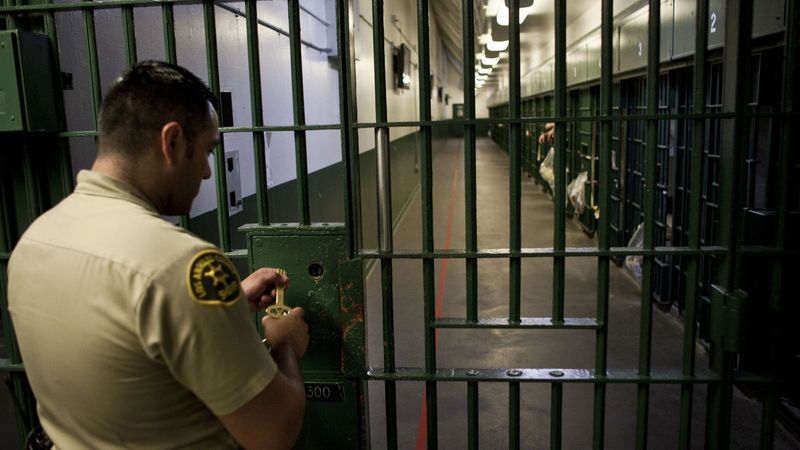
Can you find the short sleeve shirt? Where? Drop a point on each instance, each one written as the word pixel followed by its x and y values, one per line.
pixel 133 331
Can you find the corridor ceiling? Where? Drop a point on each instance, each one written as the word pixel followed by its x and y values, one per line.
pixel 536 33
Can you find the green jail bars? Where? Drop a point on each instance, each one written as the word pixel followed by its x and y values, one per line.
pixel 616 127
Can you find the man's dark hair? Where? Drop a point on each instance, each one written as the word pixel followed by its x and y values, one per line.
pixel 145 98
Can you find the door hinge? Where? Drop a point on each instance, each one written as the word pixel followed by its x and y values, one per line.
pixel 734 314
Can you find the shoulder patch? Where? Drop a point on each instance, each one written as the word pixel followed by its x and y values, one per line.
pixel 212 279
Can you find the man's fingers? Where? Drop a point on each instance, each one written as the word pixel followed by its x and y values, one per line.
pixel 271 276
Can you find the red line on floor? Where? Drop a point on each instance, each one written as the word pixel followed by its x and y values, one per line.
pixel 422 426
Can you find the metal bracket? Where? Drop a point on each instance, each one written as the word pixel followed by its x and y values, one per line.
pixel 733 306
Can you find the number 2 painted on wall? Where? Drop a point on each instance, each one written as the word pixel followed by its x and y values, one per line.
pixel 640 48
pixel 713 23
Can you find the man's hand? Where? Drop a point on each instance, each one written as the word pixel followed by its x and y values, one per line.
pixel 549 133
pixel 259 287
pixel 289 331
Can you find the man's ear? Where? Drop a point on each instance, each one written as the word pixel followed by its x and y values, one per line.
pixel 172 142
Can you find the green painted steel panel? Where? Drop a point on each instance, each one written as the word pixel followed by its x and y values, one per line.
pixel 684 25
pixel 10 98
pixel 27 94
pixel 330 289
pixel 297 253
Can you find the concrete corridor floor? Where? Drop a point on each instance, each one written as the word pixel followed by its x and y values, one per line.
pixel 524 348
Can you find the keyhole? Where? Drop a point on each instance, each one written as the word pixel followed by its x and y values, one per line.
pixel 315 270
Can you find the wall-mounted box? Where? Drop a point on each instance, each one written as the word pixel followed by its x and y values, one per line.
pixel 27 87
pixel 234 182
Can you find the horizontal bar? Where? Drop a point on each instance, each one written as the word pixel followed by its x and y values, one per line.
pixel 224 130
pixel 570 119
pixel 237 254
pixel 319 127
pixel 660 376
pixel 463 122
pixel 571 323
pixel 106 4
pixel 764 250
pixel 545 252
pixel 7 366
pixel 274 28
pixel 754 250
pixel 753 378
pixel 77 6
pixel 293 228
pixel 528 375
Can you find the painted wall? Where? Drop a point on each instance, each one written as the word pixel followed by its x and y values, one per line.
pixel 320 77
pixel 400 27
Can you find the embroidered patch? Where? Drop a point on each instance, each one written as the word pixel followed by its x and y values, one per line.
pixel 212 279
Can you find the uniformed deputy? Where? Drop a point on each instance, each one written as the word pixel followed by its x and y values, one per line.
pixel 134 332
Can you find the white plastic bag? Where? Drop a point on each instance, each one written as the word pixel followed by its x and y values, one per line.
pixel 575 191
pixel 634 262
pixel 546 168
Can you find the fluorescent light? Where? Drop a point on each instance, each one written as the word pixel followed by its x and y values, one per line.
pixel 481 77
pixel 490 61
pixel 483 71
pixel 496 46
pixel 503 12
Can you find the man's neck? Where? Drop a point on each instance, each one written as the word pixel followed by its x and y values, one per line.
pixel 133 173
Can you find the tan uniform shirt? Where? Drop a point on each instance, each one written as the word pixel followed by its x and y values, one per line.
pixel 133 331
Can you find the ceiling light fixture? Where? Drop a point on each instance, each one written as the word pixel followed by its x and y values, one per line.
pixel 497 46
pixel 525 7
pixel 490 61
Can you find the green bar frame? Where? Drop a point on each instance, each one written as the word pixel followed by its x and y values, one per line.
pixel 646 323
pixel 300 154
pixel 257 112
pixel 604 228
pixel 719 381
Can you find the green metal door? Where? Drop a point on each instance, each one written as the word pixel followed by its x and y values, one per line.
pixel 618 134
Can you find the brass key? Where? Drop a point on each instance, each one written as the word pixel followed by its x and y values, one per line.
pixel 279 309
